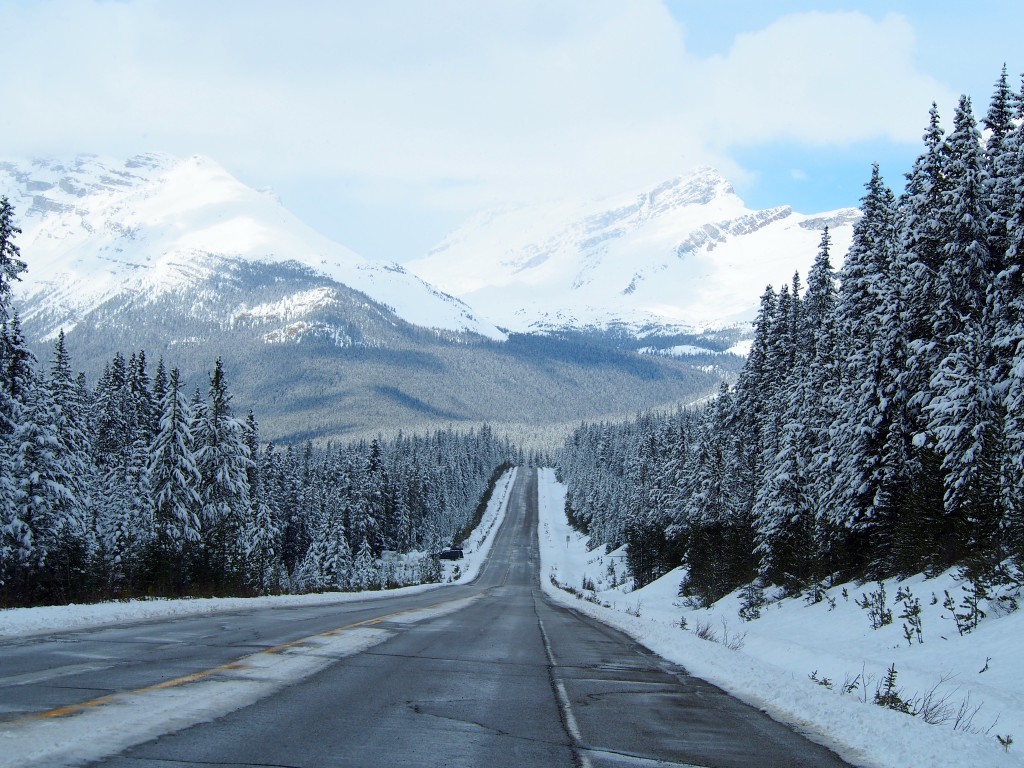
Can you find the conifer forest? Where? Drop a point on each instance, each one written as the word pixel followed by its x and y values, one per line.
pixel 136 487
pixel 877 426
pixel 876 429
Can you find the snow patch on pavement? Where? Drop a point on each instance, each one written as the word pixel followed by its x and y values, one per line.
pixel 112 724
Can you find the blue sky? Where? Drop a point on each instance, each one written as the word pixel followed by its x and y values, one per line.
pixel 962 45
pixel 385 124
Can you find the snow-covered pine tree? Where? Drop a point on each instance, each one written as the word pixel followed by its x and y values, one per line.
pixel 11 265
pixel 13 375
pixel 223 461
pixel 786 524
pixel 860 495
pixel 338 564
pixel 16 383
pixel 777 498
pixel 159 388
pixel 364 571
pixel 173 475
pixel 261 531
pixel 16 363
pixel 124 523
pixel 48 525
pixel 965 417
pixel 111 430
pixel 1000 163
pixel 144 418
pixel 73 543
pixel 753 387
pixel 716 523
pixel 1006 308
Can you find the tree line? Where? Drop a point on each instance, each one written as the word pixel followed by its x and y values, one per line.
pixel 877 426
pixel 137 487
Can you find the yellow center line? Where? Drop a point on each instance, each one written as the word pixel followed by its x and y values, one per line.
pixel 73 709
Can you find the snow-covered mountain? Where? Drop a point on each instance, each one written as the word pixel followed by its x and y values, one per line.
pixel 94 229
pixel 684 256
pixel 180 260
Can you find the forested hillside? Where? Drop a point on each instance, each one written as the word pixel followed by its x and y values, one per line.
pixel 139 487
pixel 877 427
pixel 350 368
pixel 135 254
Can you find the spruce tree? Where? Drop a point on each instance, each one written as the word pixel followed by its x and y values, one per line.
pixel 174 477
pixel 11 265
pixel 860 482
pixel 965 417
pixel 223 461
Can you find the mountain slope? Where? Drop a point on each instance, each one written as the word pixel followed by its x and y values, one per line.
pixel 686 255
pixel 179 259
pixel 94 228
pixel 344 366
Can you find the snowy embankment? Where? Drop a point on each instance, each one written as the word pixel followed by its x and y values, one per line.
pixel 478 545
pixel 978 677
pixel 21 622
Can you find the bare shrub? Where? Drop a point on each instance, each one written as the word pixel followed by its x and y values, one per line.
pixel 703 630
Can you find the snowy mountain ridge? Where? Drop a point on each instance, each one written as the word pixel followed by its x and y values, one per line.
pixel 94 229
pixel 682 256
pixel 179 259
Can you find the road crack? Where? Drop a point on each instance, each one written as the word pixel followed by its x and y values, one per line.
pixel 417 708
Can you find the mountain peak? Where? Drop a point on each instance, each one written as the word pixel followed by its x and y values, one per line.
pixel 684 254
pixel 94 227
pixel 699 187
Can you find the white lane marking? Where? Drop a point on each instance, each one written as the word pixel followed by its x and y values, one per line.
pixel 570 718
pixel 621 759
pixel 563 702
pixel 48 674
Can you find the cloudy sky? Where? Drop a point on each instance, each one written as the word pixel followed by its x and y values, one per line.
pixel 384 123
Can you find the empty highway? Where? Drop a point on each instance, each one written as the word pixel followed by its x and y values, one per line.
pixel 489 674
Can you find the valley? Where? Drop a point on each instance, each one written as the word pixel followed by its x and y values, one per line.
pixel 176 258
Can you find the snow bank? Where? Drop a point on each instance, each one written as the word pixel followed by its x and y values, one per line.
pixel 831 639
pixel 22 622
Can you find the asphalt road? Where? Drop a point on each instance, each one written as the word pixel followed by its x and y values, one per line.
pixel 489 674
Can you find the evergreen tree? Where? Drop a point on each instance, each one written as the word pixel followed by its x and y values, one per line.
pixel 261 533
pixel 15 380
pixel 47 528
pixel 364 571
pixel 11 265
pixel 965 417
pixel 223 461
pixel 174 477
pixel 1000 162
pixel 860 497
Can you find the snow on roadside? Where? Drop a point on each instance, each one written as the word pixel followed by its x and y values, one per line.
pixel 23 622
pixel 832 638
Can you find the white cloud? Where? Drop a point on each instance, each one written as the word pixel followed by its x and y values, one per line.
pixel 463 102
pixel 819 78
